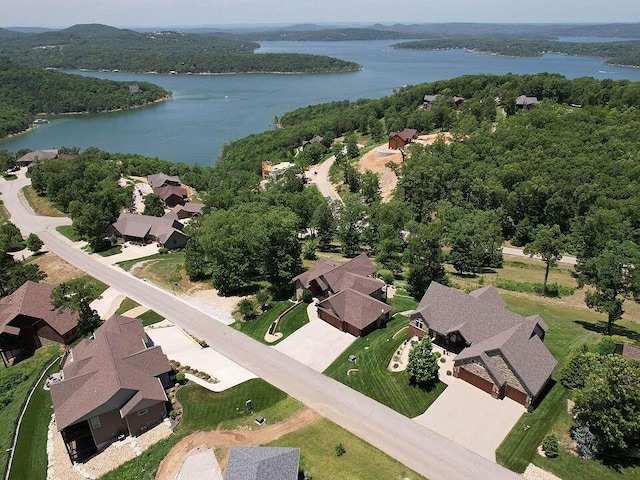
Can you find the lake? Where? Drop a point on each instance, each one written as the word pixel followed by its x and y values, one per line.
pixel 207 111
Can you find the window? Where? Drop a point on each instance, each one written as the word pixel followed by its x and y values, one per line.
pixel 95 422
pixel 419 324
pixel 142 412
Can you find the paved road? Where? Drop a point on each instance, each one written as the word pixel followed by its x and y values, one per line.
pixel 322 180
pixel 519 253
pixel 415 446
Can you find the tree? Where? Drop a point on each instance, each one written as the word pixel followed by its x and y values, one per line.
pixel 10 238
pixel 88 319
pixel 424 257
pixel 246 309
pixel 548 243
pixel 34 243
pixel 476 241
pixel 153 205
pixel 423 363
pixel 324 223
pixel 370 187
pixel 350 225
pixel 615 275
pixel 610 402
pixel 389 248
pixel 352 146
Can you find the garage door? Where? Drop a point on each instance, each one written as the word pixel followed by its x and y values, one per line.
pixel 516 395
pixel 475 380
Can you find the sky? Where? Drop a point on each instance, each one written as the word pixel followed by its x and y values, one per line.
pixel 164 13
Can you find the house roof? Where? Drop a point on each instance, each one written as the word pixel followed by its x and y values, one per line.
pixel 38 155
pixel 407 134
pixel 430 98
pixel 489 329
pixel 628 351
pixel 316 139
pixel 112 370
pixel 262 463
pixel 489 294
pixel 338 276
pixel 34 300
pixel 139 226
pixel 355 308
pixel 187 210
pixel 523 100
pixel 160 180
pixel 169 190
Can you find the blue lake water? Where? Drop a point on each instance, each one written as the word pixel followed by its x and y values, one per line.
pixel 207 111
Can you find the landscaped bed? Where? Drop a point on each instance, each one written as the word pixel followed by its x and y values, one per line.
pixel 289 323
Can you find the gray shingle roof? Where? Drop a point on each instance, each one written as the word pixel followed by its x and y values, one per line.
pixel 160 180
pixel 488 328
pixel 263 463
pixel 112 370
pixel 337 276
pixel 37 155
pixel 523 100
pixel 139 226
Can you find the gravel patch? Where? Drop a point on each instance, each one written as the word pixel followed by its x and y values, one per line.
pixel 200 463
pixel 61 468
pixel 536 473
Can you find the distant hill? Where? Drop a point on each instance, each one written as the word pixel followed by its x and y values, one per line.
pixel 101 47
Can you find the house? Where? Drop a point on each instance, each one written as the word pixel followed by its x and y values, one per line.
pixel 182 212
pixel 161 180
pixel 172 195
pixel 630 352
pixel 113 385
pixel 399 140
pixel 28 320
pixel 316 139
pixel 135 89
pixel 262 463
pixel 458 100
pixel 42 155
pixel 500 352
pixel 269 170
pixel 349 298
pixel 526 103
pixel 164 230
pixel 427 101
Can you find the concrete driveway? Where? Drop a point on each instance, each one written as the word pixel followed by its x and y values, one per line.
pixel 470 417
pixel 177 345
pixel 317 344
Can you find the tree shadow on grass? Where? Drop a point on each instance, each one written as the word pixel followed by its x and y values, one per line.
pixel 619 463
pixel 601 328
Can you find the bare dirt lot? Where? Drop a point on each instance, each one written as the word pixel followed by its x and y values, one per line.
pixel 222 440
pixel 57 270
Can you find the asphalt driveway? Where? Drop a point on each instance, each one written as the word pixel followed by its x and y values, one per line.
pixel 470 417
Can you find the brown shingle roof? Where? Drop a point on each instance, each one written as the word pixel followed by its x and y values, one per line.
pixel 160 180
pixel 355 308
pixel 489 294
pixel 112 370
pixel 629 351
pixel 407 134
pixel 170 190
pixel 139 226
pixel 488 328
pixel 42 155
pixel 34 300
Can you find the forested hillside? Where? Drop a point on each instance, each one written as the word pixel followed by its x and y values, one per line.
pixel 26 91
pixel 100 47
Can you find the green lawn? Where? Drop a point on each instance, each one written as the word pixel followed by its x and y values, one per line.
pixel 29 460
pixel 168 257
pixel 4 215
pixel 317 443
pixel 402 301
pixel 69 232
pixel 150 317
pixel 31 369
pixel 373 353
pixel 126 305
pixel 116 249
pixel 206 410
pixel 99 286
pixel 40 205
pixel 292 321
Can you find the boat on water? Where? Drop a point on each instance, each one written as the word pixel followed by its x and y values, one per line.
pixel 40 121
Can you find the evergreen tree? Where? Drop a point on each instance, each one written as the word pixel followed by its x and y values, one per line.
pixel 423 363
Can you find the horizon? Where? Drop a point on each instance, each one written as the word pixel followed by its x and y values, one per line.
pixel 250 13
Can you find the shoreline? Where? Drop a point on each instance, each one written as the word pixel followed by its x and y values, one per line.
pixel 252 72
pixel 44 114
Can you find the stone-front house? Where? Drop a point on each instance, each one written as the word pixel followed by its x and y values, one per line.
pixel 500 352
pixel 28 321
pixel 165 230
pixel 113 385
pixel 349 298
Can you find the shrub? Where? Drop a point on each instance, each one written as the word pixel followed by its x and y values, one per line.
pixel 309 251
pixel 442 359
pixel 180 377
pixel 607 346
pixel 307 296
pixel 386 276
pixel 574 374
pixel 587 444
pixel 340 450
pixel 173 414
pixel 163 251
pixel 550 445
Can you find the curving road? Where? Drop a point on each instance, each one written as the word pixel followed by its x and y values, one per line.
pixel 322 180
pixel 400 437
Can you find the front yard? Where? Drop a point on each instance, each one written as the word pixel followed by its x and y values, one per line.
pixel 291 322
